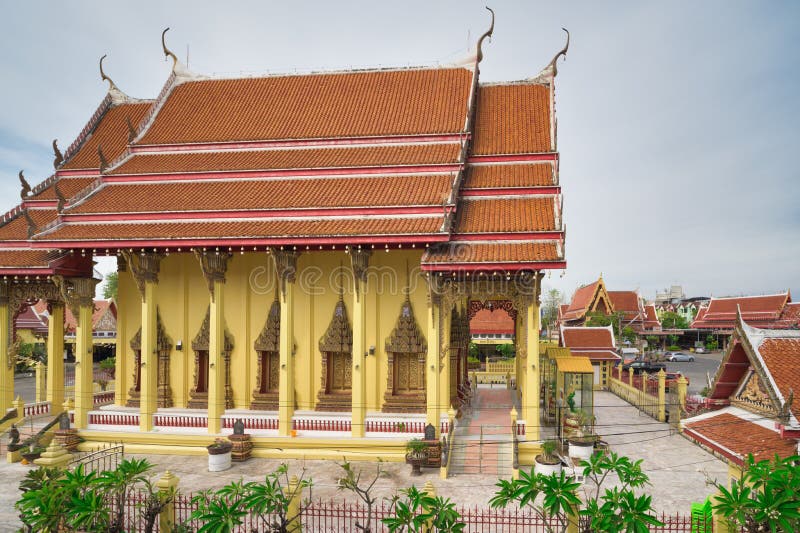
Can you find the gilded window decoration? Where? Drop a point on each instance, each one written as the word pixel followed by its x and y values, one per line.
pixel 265 395
pixel 336 346
pixel 406 349
pixel 198 395
pixel 164 347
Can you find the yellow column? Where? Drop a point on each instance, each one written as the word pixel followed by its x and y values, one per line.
pixel 216 361
pixel 167 485
pixel 662 395
pixel 121 351
pixel 433 407
pixel 55 355
pixel 286 268
pixel 446 321
pixel 148 380
pixel 360 262
pixel 81 298
pixel 41 382
pixel 6 364
pixel 530 397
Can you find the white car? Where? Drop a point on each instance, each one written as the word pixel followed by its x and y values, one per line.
pixel 679 357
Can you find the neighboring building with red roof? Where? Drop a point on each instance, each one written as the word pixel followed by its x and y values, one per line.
pixel 775 311
pixel 753 395
pixel 492 327
pixel 595 298
pixel 596 343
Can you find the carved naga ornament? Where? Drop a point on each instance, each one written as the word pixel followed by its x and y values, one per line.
pixel 59 157
pixel 26 188
pixel 485 35
pixel 167 51
pixel 562 52
pixel 104 77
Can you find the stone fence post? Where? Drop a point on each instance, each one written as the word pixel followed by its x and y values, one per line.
pixel 662 396
pixel 293 511
pixel 167 485
pixel 682 386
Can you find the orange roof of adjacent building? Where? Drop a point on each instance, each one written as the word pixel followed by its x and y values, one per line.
pixel 760 311
pixel 596 343
pixel 596 298
pixel 488 321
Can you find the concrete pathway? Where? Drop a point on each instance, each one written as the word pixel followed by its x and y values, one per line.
pixel 678 468
pixel 482 442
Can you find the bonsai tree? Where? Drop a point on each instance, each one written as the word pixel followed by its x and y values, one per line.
pixel 351 481
pixel 416 453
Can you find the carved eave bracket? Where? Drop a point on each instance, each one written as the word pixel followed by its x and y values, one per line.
pixel 360 263
pixel 144 268
pixel 338 338
pixel 285 267
pixel 76 293
pixel 18 296
pixel 214 265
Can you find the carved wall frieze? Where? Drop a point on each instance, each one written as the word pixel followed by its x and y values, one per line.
pixel 76 293
pixel 214 266
pixel 18 296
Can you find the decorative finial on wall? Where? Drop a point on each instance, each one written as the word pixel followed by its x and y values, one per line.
pixel 485 35
pixel 104 77
pixel 167 51
pixel 59 156
pixel 26 188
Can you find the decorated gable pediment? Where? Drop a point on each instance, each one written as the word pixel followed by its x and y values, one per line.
pixel 107 322
pixel 163 341
pixel 752 394
pixel 269 338
pixel 406 336
pixel 338 337
pixel 201 340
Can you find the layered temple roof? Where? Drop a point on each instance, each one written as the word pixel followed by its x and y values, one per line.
pixel 755 384
pixel 596 298
pixel 775 311
pixel 596 343
pixel 424 157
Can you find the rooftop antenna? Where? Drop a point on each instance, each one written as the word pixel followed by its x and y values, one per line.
pixel 187 55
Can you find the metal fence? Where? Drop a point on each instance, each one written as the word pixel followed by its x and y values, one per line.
pixel 106 458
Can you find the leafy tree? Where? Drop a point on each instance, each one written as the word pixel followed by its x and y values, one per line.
pixel 418 512
pixel 767 498
pixel 110 285
pixel 351 481
pixel 711 343
pixel 552 302
pixel 596 318
pixel 474 351
pixel 614 510
pixel 628 334
pixel 672 320
pixel 505 350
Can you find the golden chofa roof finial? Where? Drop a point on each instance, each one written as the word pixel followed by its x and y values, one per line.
pixel 167 51
pixel 26 188
pixel 485 35
pixel 562 52
pixel 104 77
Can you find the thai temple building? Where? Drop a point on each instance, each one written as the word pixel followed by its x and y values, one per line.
pixel 301 252
pixel 597 344
pixel 595 298
pixel 751 407
pixel 774 311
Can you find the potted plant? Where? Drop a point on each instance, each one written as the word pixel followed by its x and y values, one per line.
pixel 548 462
pixel 219 455
pixel 416 455
pixel 32 453
pixel 582 441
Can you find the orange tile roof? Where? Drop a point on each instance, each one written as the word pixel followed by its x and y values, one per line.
pixel 69 187
pixel 503 252
pixel 354 104
pixel 759 311
pixel 24 258
pixel 491 176
pixel 269 194
pixel 100 308
pixel 265 228
pixel 588 337
pixel 626 301
pixel 383 155
pixel 581 300
pixel 743 437
pixel 512 119
pixel 507 215
pixel 651 317
pixel 781 357
pixel 488 321
pixel 111 134
pixel 17 229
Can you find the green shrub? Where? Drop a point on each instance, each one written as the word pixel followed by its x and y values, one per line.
pixel 674 348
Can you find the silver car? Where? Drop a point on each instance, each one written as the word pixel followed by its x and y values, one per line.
pixel 679 357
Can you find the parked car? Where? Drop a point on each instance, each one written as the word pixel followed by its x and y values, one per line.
pixel 699 349
pixel 640 366
pixel 679 357
pixel 672 378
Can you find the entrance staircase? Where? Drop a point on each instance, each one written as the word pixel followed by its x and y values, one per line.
pixel 482 443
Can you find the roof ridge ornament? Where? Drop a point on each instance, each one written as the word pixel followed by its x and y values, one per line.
pixel 59 156
pixel 31 223
pixel 131 130
pixel 60 195
pixel 485 35
pixel 103 160
pixel 104 76
pixel 562 52
pixel 26 188
pixel 167 51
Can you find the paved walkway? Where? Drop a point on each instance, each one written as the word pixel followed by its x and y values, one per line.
pixel 482 442
pixel 677 467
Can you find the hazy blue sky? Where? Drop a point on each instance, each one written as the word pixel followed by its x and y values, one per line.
pixel 678 121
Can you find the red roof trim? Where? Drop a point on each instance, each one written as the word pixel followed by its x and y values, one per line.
pixel 477 267
pixel 79 173
pixel 273 213
pixel 508 191
pixel 526 236
pixel 174 243
pixel 355 171
pixel 42 271
pixel 293 143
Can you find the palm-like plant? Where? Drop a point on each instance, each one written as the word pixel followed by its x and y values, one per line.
pixel 417 511
pixel 117 484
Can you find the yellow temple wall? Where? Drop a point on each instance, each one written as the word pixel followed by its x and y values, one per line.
pixel 182 298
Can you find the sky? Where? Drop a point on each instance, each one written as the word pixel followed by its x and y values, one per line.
pixel 677 121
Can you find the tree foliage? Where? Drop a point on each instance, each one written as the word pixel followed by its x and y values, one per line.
pixel 110 285
pixel 552 302
pixel 672 320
